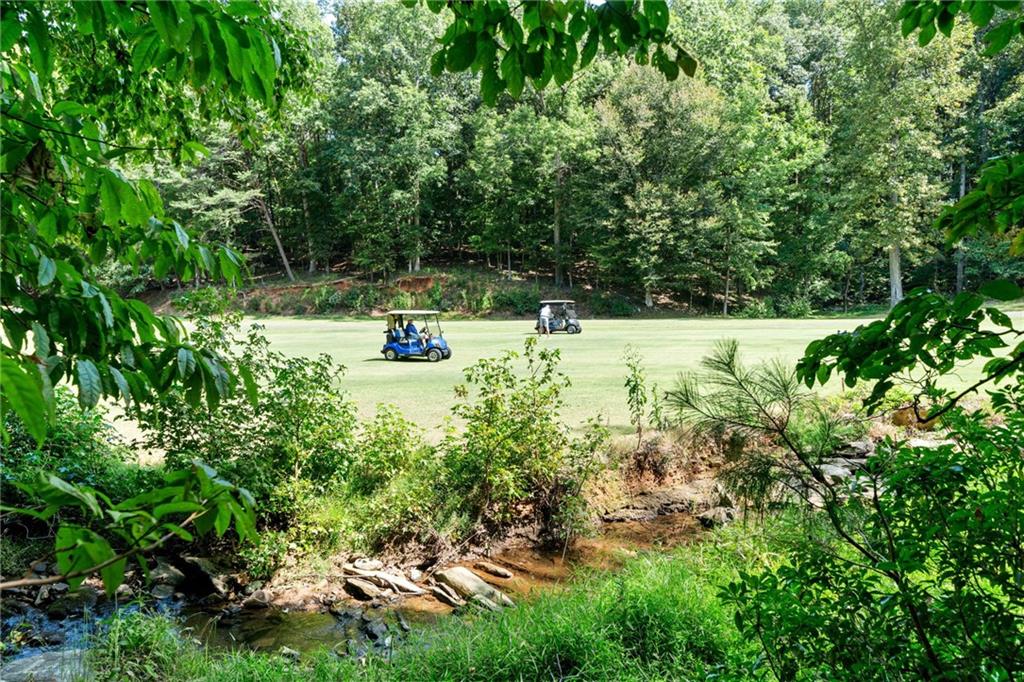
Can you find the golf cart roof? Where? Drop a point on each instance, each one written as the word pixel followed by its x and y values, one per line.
pixel 413 312
pixel 559 300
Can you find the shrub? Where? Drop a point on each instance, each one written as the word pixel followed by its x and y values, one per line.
pixel 401 300
pixel 514 451
pixel 916 554
pixel 262 559
pixel 291 441
pixel 517 300
pixel 795 307
pixel 385 447
pixel 611 305
pixel 759 308
pixel 80 447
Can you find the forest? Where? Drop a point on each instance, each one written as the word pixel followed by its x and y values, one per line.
pixel 193 489
pixel 799 168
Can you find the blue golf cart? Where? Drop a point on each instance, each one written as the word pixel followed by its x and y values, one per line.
pixel 400 343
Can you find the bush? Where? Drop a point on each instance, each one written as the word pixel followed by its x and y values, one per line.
pixel 80 447
pixel 385 447
pixel 262 559
pixel 401 300
pixel 517 300
pixel 292 442
pixel 795 308
pixel 611 305
pixel 758 309
pixel 514 454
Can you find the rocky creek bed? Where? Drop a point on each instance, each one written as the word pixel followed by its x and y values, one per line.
pixel 365 606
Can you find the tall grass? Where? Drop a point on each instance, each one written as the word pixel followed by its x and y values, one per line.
pixel 660 618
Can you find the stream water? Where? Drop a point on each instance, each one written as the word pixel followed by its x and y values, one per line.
pixel 356 630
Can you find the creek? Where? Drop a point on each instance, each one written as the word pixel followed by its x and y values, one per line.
pixel 349 629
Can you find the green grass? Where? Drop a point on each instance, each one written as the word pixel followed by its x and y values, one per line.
pixel 591 360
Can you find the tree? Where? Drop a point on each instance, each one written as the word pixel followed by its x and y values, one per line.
pixel 156 73
pixel 547 39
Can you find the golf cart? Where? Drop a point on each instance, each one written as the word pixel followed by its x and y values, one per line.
pixel 424 344
pixel 563 317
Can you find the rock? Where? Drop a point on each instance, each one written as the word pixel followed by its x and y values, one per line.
pixel 833 472
pixel 467 584
pixel 42 595
pixel 342 610
pixel 629 514
pixel 260 599
pixel 39 567
pixel 928 443
pixel 50 666
pixel 716 516
pixel 123 592
pixel 415 575
pixel 10 607
pixel 484 602
pixel 289 653
pixel 493 569
pixel 162 591
pixel 254 586
pixel 376 630
pixel 446 595
pixel 364 564
pixel 166 574
pixel 73 604
pixel 211 572
pixel 362 589
pixel 402 622
pixel 388 581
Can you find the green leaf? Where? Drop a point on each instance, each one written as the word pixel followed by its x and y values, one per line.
pixel 999 37
pixel 461 52
pixel 181 507
pixel 926 34
pixel 1001 290
pixel 251 389
pixel 491 86
pixel 21 390
pixel 186 362
pixel 589 48
pixel 657 13
pixel 437 63
pixel 182 235
pixel 982 13
pixel 47 271
pixel 90 387
pixel 40 340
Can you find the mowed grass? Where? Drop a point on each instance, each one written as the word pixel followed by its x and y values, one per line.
pixel 592 360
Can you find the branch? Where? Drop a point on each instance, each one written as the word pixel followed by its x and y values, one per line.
pixel 86 137
pixel 33 582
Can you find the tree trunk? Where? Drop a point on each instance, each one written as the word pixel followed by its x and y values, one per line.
pixel 725 299
pixel 309 238
pixel 895 276
pixel 728 270
pixel 846 290
pixel 269 222
pixel 416 226
pixel 959 257
pixel 557 241
pixel 648 298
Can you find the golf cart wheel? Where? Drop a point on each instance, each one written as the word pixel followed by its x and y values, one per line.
pixel 390 354
pixel 572 329
pixel 433 355
pixel 447 353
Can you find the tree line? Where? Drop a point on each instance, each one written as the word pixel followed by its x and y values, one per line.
pixel 802 165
